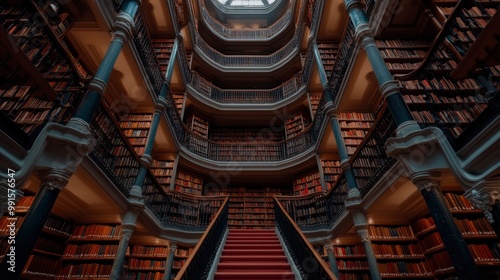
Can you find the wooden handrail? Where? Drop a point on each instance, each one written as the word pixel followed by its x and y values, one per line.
pixel 202 239
pixel 435 43
pixel 318 258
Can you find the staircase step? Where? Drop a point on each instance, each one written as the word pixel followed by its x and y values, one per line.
pixel 253 258
pixel 255 275
pixel 246 266
pixel 253 242
pixel 264 246
pixel 244 252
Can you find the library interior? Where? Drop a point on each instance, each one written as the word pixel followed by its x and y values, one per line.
pixel 250 139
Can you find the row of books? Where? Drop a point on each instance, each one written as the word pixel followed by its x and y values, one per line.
pixel 90 250
pixel 97 231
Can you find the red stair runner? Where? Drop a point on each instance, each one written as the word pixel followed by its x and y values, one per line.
pixel 253 254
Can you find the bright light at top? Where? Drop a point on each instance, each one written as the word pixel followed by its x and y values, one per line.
pixel 246 3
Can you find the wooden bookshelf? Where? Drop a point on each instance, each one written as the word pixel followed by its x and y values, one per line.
pixel 199 126
pixel 398 253
pixel 181 254
pixel 314 99
pixel 331 172
pixel 476 230
pixel 146 262
pixel 328 53
pixel 188 182
pixel 295 125
pixel 307 183
pixel 136 128
pixel 91 247
pixel 43 81
pixel 250 207
pixel 163 171
pixel 45 258
pixel 403 56
pixel 163 50
pixel 354 127
pixel 179 99
pixel 245 135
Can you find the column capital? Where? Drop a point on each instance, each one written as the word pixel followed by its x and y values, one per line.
pixel 328 247
pixel 161 104
pixel 97 85
pixel 353 4
pixel 146 160
pixel 425 180
pixel 363 35
pixel 363 233
pixel 123 28
pixel 389 88
pixel 54 178
pixel 172 247
pixel 345 164
pixel 483 196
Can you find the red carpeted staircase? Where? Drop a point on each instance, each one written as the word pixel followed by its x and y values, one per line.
pixel 253 254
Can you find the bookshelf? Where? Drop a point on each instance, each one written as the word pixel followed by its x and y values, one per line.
pixel 403 56
pixel 188 182
pixel 245 135
pixel 476 230
pixel 328 53
pixel 331 171
pixel 163 50
pixel 307 183
pixel 179 99
pixel 163 171
pixel 146 262
pixel 199 126
pixel 397 252
pixel 314 99
pixel 90 251
pixel 354 127
pixel 136 129
pixel 250 207
pixel 181 254
pixel 295 125
pixel 45 258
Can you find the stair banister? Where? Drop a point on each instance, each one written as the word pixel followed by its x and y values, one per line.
pixel 305 257
pixel 198 264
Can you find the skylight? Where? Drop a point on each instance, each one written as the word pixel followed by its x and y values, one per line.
pixel 246 3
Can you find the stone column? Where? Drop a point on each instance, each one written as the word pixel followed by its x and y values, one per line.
pixel 332 260
pixel 464 264
pixel 123 29
pixel 27 235
pixel 170 261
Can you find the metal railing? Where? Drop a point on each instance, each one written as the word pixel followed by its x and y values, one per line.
pixel 343 60
pixel 245 34
pixel 198 264
pixel 235 96
pixel 317 210
pixel 246 61
pixel 119 162
pixel 307 260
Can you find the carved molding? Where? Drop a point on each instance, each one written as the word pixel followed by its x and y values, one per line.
pixel 483 196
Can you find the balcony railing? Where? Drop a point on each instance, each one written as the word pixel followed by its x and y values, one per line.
pixel 370 160
pixel 198 265
pixel 142 42
pixel 235 96
pixel 119 162
pixel 318 210
pixel 344 57
pixel 307 260
pixel 247 61
pixel 245 34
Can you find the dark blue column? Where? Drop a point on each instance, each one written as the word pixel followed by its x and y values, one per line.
pixel 455 245
pixel 123 29
pixel 130 217
pixel 332 260
pixel 34 222
pixel 170 262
